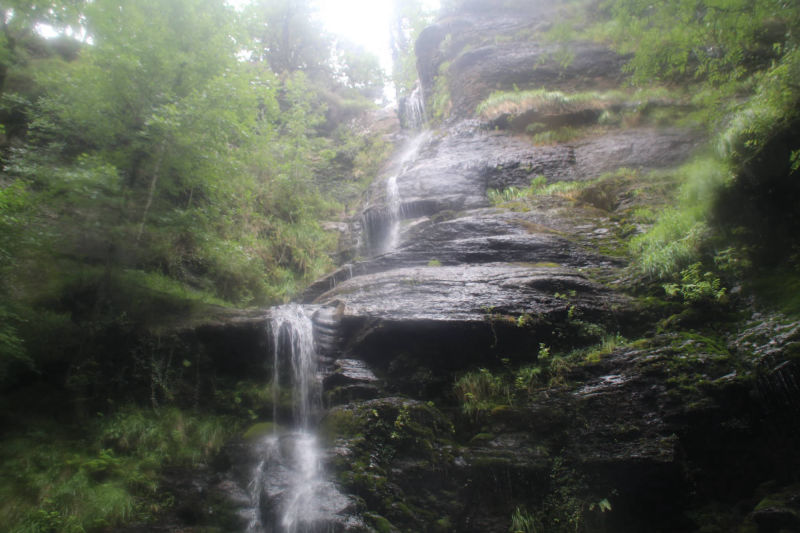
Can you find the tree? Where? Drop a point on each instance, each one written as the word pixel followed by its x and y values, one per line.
pixel 410 18
pixel 714 40
pixel 286 35
pixel 359 70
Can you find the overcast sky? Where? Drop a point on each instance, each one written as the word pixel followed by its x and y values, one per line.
pixel 364 22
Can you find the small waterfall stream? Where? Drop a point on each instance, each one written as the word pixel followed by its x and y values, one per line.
pixel 393 199
pixel 289 491
pixel 293 343
pixel 414 109
pixel 393 204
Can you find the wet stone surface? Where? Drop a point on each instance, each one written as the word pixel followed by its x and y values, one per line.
pixel 466 292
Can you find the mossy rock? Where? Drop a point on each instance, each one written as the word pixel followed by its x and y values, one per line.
pixel 259 430
pixel 778 511
pixel 481 438
pixel 381 524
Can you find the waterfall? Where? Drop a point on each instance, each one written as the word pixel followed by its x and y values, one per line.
pixel 414 109
pixel 293 343
pixel 289 490
pixel 382 227
pixel 393 205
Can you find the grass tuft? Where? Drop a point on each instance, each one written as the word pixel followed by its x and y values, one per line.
pixel 55 482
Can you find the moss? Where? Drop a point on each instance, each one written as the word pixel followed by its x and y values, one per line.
pixel 533 228
pixel 481 438
pixel 693 343
pixel 441 103
pixel 403 510
pixel 779 289
pixel 381 524
pixel 500 410
pixel 784 498
pixel 259 430
pixel 443 525
pixel 342 422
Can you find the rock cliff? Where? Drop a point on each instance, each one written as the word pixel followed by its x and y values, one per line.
pixel 492 366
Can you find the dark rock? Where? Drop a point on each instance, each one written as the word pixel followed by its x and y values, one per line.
pixel 468 293
pixel 776 519
pixel 485 52
pixel 474 75
pixel 621 439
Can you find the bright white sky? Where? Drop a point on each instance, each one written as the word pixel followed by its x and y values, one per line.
pixel 364 22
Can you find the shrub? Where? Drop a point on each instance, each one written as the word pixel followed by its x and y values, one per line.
pixel 523 522
pixel 676 238
pixel 696 287
pixel 542 101
pixel 480 391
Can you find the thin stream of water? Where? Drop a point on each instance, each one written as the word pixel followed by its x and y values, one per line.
pixel 394 200
pixel 289 490
pixel 415 108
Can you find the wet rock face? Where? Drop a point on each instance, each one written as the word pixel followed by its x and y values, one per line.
pixel 477 73
pixel 443 196
pixel 468 292
pixel 486 48
pixel 510 299
pixel 621 430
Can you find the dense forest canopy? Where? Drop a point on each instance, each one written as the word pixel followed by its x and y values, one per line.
pixel 164 161
pixel 179 148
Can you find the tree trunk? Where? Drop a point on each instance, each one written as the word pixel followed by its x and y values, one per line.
pixel 152 190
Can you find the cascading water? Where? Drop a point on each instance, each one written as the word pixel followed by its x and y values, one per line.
pixel 289 490
pixel 293 343
pixel 393 204
pixel 385 236
pixel 415 116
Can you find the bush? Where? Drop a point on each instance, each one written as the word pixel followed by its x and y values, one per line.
pixel 53 482
pixel 676 239
pixel 480 391
pixel 696 287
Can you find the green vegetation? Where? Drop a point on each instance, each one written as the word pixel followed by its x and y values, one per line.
pixel 717 42
pixel 159 154
pixel 542 102
pixel 108 475
pixel 554 136
pixel 480 391
pixel 731 67
pixel 606 347
pixel 696 287
pixel 157 161
pixel 741 60
pixel 161 163
pixel 676 239
pixel 441 103
pixel 409 19
pixel 522 522
pixel 558 117
pixel 590 192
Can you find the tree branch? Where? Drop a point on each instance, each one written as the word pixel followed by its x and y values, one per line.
pixel 152 189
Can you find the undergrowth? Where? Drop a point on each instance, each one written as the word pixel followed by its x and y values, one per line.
pixel 541 101
pixel 520 198
pixel 676 238
pixel 90 479
pixel 481 391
